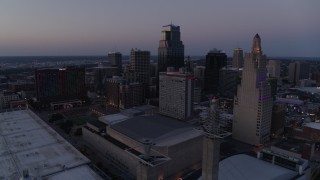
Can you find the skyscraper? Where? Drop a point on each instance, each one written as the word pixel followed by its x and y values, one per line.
pixel 298 70
pixel 116 60
pixel 215 60
pixel 237 60
pixel 253 102
pixel 228 81
pixel 176 94
pixel 140 65
pixel 171 48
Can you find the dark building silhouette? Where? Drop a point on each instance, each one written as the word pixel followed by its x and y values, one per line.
pixel 278 119
pixel 215 60
pixel 298 70
pixel 229 78
pixel 237 59
pixel 60 84
pixel 121 94
pixel 171 48
pixel 101 74
pixel 140 65
pixel 115 59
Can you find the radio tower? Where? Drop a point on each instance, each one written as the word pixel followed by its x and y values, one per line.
pixel 211 142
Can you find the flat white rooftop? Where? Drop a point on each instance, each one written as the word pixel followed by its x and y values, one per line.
pixel 313 125
pixel 113 118
pixel 312 90
pixel 244 167
pixel 26 142
pixel 161 130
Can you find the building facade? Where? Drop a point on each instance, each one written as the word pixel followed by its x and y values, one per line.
pixel 101 74
pixel 298 71
pixel 273 68
pixel 60 84
pixel 171 48
pixel 176 95
pixel 253 102
pixel 215 60
pixel 237 59
pixel 115 58
pixel 228 81
pixel 6 98
pixel 140 65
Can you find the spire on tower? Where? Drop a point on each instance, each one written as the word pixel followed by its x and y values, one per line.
pixel 256 45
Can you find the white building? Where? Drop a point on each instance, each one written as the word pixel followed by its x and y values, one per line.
pixel 31 149
pixel 6 98
pixel 253 102
pixel 176 94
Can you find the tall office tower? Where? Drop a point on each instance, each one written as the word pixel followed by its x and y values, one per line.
pixel 101 74
pixel 273 68
pixel 112 92
pixel 171 48
pixel 237 60
pixel 122 94
pixel 215 60
pixel 116 60
pixel 60 84
pixel 297 71
pixel 176 94
pixel 228 81
pixel 198 72
pixel 253 102
pixel 131 94
pixel 140 65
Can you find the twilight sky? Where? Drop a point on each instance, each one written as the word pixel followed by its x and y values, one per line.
pixel 95 27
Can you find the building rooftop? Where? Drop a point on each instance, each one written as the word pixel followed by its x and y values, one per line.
pixel 312 90
pixel 245 167
pixel 291 144
pixel 313 125
pixel 26 142
pixel 289 101
pixel 161 130
pixel 113 118
pixel 82 172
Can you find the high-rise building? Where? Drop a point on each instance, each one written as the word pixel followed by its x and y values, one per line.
pixel 215 60
pixel 112 92
pixel 122 94
pixel 115 59
pixel 101 74
pixel 228 81
pixel 176 94
pixel 298 70
pixel 273 68
pixel 140 65
pixel 171 48
pixel 237 60
pixel 253 102
pixel 60 84
pixel 278 118
pixel 198 72
pixel 131 94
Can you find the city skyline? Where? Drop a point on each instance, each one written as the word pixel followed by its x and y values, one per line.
pixel 97 27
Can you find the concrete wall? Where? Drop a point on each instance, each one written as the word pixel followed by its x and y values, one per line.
pixel 111 152
pixel 185 156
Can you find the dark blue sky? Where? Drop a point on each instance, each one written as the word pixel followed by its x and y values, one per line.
pixel 82 27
